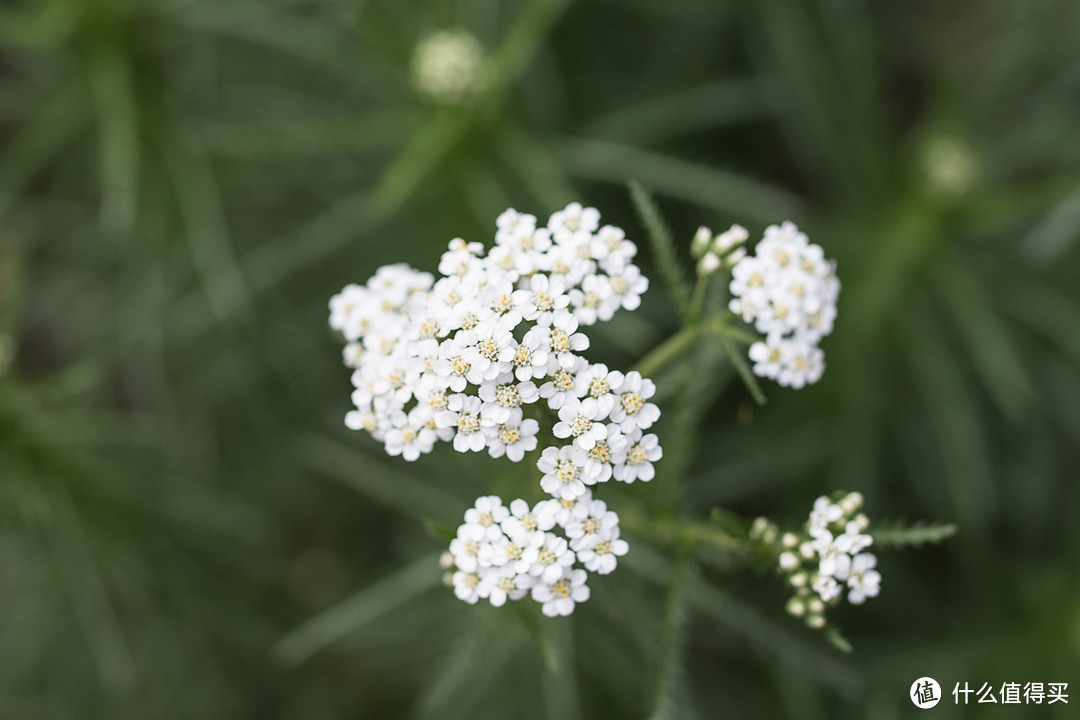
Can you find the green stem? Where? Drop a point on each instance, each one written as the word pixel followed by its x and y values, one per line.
pixel 697 302
pixel 684 339
pixel 673 637
pixel 682 531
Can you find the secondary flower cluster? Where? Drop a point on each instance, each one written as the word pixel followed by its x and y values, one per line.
pixel 467 358
pixel 505 553
pixel 826 558
pixel 788 290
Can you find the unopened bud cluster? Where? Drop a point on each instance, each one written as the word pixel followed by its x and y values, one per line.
pixel 826 558
pixel 713 252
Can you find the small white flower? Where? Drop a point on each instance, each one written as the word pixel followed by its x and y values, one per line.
pixel 635 461
pixel 561 339
pixel 505 583
pixel 410 437
pixel 500 400
pixel 559 597
pixel 463 415
pixel 544 296
pixel 601 557
pixel 597 382
pixel 572 221
pixel 528 358
pixel 560 387
pixel 486 514
pixel 553 557
pixel 628 287
pixel 467 586
pixel 583 421
pixel 827 588
pixel 599 459
pixel 590 523
pixel 633 411
pixel 863 580
pixel 592 302
pixel 513 437
pixel 524 521
pixel 466 547
pixel 563 470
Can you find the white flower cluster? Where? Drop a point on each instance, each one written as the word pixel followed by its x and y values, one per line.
pixel 828 557
pixel 467 358
pixel 462 359
pixel 788 290
pixel 449 66
pixel 505 553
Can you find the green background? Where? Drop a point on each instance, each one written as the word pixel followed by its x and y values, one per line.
pixel 184 183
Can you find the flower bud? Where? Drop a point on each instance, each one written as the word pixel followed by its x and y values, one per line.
pixel 796 607
pixel 700 243
pixel 735 235
pixel 708 264
pixel 851 503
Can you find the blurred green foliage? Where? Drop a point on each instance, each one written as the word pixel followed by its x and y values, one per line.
pixel 188 531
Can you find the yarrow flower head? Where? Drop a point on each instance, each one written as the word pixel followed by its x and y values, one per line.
pixel 507 553
pixel 788 290
pixel 826 559
pixel 468 356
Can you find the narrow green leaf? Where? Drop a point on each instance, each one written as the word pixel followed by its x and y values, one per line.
pixel 837 639
pixel 440 531
pixel 398 489
pixel 662 243
pixel 898 534
pixel 992 350
pixel 675 114
pixel 743 369
pixel 728 192
pixel 365 607
pixel 669 669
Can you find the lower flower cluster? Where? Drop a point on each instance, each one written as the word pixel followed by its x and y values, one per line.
pixel 826 558
pixel 545 550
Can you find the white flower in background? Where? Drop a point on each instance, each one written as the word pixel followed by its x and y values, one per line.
pixel 788 290
pixel 449 67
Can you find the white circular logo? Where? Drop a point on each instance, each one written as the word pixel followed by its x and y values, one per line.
pixel 925 693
